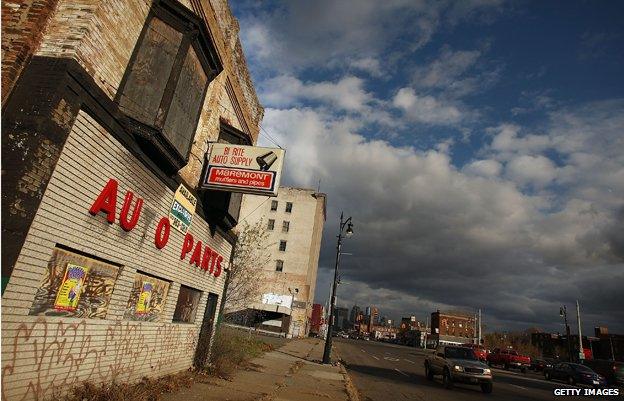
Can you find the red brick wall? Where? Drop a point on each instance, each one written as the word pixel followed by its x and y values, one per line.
pixel 23 24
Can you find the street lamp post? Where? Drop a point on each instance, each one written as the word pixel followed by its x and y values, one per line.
pixel 564 313
pixel 332 304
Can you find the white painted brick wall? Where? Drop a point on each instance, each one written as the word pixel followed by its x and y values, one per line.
pixel 43 355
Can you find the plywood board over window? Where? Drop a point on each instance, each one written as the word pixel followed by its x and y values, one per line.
pixel 186 307
pixel 75 285
pixel 147 298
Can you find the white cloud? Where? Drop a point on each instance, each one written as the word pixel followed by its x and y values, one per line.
pixel 485 168
pixel 507 140
pixel 426 109
pixel 368 64
pixel 537 171
pixel 444 71
pixel 346 94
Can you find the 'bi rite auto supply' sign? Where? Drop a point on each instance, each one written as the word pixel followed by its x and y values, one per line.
pixel 245 169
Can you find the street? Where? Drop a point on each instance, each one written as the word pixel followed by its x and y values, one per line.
pixel 384 372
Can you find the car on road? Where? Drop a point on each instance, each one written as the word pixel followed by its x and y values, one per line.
pixel 479 351
pixel 612 371
pixel 574 373
pixel 458 364
pixel 539 364
pixel 509 359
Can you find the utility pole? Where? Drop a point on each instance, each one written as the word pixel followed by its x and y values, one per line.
pixel 578 318
pixel 479 327
pixel 564 313
pixel 328 341
pixel 426 328
pixel 474 328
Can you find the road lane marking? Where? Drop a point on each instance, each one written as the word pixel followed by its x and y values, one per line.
pixel 515 385
pixel 409 361
pixel 375 357
pixel 389 358
pixel 403 373
pixel 362 350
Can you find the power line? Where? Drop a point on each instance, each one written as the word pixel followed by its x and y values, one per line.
pixel 253 211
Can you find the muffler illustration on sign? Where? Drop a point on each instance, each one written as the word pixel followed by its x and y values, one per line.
pixel 266 160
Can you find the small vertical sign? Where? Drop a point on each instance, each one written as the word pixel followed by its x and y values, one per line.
pixel 71 287
pixel 182 209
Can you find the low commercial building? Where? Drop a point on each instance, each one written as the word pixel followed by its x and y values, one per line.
pixel 451 328
pixel 113 257
pixel 383 332
pixel 294 221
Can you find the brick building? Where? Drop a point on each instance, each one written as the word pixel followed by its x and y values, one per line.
pixel 108 111
pixel 452 328
pixel 317 319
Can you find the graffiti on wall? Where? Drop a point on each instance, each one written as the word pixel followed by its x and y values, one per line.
pixel 61 295
pixel 47 357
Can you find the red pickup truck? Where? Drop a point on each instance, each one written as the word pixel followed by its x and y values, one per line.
pixel 509 359
pixel 479 351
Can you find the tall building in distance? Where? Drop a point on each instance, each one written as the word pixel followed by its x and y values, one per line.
pixel 294 220
pixel 355 311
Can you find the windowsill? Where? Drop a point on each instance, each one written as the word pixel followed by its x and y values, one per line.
pixel 179 322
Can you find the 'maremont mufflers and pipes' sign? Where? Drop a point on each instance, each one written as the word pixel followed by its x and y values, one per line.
pixel 246 169
pixel 201 255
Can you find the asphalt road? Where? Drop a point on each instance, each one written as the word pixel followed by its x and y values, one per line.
pixel 388 372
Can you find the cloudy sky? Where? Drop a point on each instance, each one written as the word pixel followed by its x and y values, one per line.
pixel 478 145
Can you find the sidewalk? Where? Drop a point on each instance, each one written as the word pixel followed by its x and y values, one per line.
pixel 292 372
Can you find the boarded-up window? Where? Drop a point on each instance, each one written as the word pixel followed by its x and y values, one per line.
pixel 187 101
pixel 163 89
pixel 147 298
pixel 150 72
pixel 74 285
pixel 188 302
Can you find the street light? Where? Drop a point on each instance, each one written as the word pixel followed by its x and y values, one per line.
pixel 564 314
pixel 330 324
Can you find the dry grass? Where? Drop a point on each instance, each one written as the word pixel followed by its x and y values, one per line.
pixel 233 349
pixel 146 390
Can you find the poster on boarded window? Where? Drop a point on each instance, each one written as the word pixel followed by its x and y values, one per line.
pixel 142 306
pixel 71 287
pixel 182 209
pixel 147 298
pixel 94 297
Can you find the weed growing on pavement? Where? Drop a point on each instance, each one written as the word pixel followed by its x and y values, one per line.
pixel 145 390
pixel 233 349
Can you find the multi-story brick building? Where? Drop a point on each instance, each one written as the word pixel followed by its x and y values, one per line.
pixel 109 107
pixel 294 221
pixel 452 328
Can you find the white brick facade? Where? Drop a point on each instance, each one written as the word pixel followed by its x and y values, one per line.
pixel 42 354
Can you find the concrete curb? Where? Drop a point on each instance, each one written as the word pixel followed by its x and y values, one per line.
pixel 352 391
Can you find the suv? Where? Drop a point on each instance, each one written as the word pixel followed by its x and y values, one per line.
pixel 458 364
